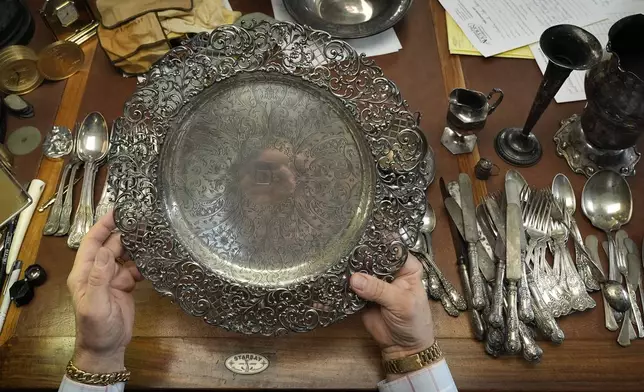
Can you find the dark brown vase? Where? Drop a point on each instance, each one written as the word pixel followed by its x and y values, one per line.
pixel 614 116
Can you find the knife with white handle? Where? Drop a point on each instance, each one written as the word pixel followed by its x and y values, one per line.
pixel 513 273
pixel 471 232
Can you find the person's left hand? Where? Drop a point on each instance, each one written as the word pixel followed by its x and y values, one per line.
pixel 101 292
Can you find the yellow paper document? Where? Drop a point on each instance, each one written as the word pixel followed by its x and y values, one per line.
pixel 460 44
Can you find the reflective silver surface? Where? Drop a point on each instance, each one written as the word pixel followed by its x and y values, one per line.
pixel 607 201
pixel 92 145
pixel 348 18
pixel 257 168
pixel 58 142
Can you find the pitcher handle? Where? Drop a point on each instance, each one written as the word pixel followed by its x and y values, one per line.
pixel 498 100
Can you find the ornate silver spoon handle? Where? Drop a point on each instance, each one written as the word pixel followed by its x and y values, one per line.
pixel 526 314
pixel 53 220
pixel 531 350
pixel 455 297
pixel 66 212
pixel 84 212
pixel 478 326
pixel 106 202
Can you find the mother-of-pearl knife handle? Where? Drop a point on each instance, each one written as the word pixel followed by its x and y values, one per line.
pixel 35 190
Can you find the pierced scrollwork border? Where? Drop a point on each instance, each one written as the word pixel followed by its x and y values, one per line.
pixel 390 130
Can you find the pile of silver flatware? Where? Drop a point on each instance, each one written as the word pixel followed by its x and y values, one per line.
pixel 90 148
pixel 509 236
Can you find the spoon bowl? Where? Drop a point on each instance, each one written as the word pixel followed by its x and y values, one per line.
pixel 562 191
pixel 429 220
pixel 616 296
pixel 606 200
pixel 92 139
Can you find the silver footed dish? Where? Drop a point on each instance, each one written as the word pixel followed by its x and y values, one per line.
pixel 256 168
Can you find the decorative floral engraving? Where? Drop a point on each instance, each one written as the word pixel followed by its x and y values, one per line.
pixel 258 167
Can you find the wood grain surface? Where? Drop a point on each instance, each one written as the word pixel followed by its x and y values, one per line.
pixel 173 350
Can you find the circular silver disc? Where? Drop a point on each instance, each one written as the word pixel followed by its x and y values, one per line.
pixel 24 140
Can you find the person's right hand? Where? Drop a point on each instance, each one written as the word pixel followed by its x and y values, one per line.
pixel 101 290
pixel 402 324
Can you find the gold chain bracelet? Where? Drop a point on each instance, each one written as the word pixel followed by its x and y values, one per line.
pixel 83 377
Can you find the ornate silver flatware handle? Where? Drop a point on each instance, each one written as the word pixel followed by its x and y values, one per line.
pixel 478 327
pixel 496 313
pixel 526 314
pixel 478 302
pixel 84 212
pixel 66 212
pixel 512 341
pixel 106 202
pixel 53 220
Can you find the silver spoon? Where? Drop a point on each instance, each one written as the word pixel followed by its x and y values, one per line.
pixel 607 202
pixel 514 175
pixel 454 296
pixel 563 192
pixel 91 147
pixel 58 143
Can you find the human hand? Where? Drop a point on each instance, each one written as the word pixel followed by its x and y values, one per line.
pixel 101 293
pixel 402 324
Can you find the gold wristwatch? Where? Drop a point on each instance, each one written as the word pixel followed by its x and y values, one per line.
pixel 82 377
pixel 414 362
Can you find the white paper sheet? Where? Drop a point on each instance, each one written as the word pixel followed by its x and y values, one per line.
pixel 496 26
pixel 614 10
pixel 376 45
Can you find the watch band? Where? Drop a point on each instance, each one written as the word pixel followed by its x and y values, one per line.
pixel 83 377
pixel 414 362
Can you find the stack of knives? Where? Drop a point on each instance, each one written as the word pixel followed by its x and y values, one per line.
pixel 492 270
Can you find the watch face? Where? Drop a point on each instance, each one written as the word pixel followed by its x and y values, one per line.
pixel 67 13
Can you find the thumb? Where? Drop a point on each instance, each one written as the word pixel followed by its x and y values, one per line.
pixel 100 276
pixel 373 289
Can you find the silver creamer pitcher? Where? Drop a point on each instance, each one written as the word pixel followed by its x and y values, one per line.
pixel 466 116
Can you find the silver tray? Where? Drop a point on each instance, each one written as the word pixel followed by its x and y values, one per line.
pixel 258 167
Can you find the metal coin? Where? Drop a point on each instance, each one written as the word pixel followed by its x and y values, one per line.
pixel 23 140
pixel 60 60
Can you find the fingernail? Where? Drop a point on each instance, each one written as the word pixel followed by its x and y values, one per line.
pixel 102 258
pixel 358 281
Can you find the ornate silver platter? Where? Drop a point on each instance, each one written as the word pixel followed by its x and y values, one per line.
pixel 258 167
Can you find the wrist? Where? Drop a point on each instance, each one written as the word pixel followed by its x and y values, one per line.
pixel 92 362
pixel 399 352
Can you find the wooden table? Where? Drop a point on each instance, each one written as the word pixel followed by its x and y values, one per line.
pixel 173 350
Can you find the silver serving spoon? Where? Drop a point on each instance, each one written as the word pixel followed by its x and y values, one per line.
pixel 607 202
pixel 563 192
pixel 91 147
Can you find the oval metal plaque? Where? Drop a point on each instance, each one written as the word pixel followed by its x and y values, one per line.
pixel 247 363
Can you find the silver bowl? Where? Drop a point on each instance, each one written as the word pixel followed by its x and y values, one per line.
pixel 348 18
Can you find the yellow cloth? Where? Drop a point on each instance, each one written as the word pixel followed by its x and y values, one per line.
pixel 135 44
pixel 128 38
pixel 204 17
pixel 460 44
pixel 116 12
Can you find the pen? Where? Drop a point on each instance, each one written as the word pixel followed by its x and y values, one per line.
pixel 8 237
pixel 6 300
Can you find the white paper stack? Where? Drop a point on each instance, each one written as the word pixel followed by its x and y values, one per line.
pixel 496 26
